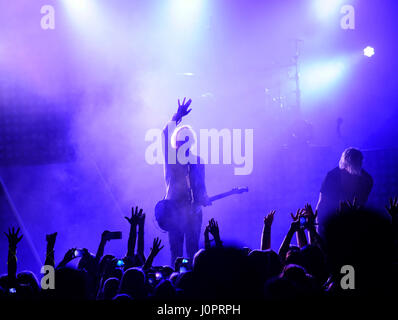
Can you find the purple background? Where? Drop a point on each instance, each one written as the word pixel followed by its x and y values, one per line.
pixel 77 101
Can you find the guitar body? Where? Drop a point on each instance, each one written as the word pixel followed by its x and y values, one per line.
pixel 166 213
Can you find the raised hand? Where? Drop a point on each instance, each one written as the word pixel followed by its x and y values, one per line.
pixel 136 216
pixel 13 237
pixel 392 209
pixel 349 206
pixel 182 110
pixel 50 238
pixel 310 215
pixel 295 225
pixel 269 218
pixel 266 234
pixel 213 228
pixel 69 255
pixel 156 246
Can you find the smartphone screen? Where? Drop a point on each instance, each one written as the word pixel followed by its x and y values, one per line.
pixel 78 253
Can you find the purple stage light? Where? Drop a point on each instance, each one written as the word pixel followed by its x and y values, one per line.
pixel 369 51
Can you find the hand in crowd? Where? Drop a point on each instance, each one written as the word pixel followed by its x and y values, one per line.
pixel 266 234
pixel 349 205
pixel 269 218
pixel 392 209
pixel 295 225
pixel 213 229
pixel 13 237
pixel 156 247
pixel 50 238
pixel 310 215
pixel 69 256
pixel 137 217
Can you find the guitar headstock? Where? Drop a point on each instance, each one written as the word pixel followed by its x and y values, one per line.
pixel 239 190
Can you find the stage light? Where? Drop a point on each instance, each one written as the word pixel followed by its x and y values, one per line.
pixel 369 51
pixel 326 8
pixel 88 19
pixel 84 13
pixel 185 13
pixel 79 5
pixel 318 79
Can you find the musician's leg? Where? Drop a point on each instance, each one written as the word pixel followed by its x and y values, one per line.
pixel 176 240
pixel 193 234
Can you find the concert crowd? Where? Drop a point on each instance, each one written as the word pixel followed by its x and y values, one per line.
pixel 356 254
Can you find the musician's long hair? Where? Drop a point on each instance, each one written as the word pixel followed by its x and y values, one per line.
pixel 351 160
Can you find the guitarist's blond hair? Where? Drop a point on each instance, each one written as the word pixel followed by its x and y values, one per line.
pixel 180 133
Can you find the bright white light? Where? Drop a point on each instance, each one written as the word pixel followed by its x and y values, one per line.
pixel 83 12
pixel 80 6
pixel 369 51
pixel 317 79
pixel 326 8
pixel 185 13
pixel 186 74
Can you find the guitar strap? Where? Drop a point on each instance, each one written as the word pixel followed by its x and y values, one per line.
pixel 188 177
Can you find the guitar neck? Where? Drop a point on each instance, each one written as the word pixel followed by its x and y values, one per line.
pixel 221 195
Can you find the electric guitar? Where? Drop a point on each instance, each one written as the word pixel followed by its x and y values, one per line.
pixel 167 212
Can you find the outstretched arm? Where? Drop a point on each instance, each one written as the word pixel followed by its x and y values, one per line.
pixel 13 239
pixel 133 231
pixel 69 256
pixel 101 247
pixel 50 238
pixel 286 241
pixel 300 234
pixel 182 111
pixel 141 224
pixel 266 235
pixel 294 227
pixel 154 252
pixel 314 236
